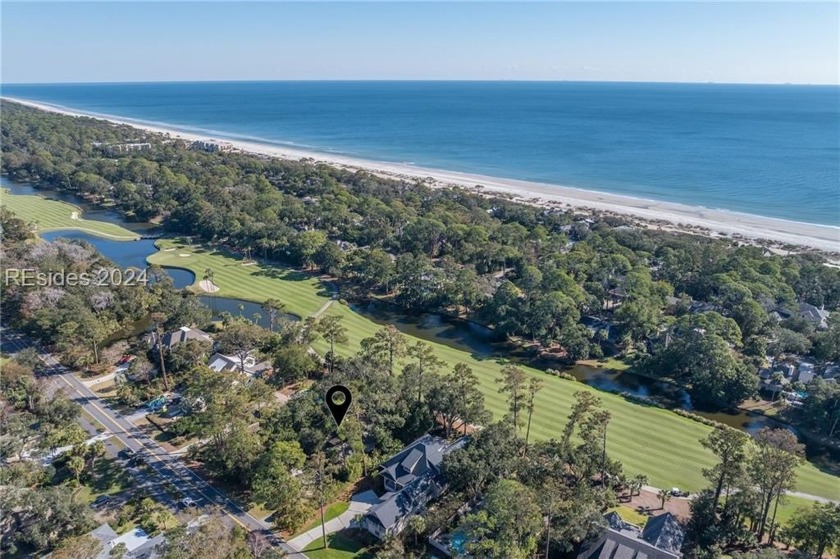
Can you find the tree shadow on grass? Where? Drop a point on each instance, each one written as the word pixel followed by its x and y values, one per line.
pixel 109 473
pixel 283 274
pixel 349 541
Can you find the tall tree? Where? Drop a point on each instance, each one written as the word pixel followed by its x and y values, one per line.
pixel 331 328
pixel 274 307
pixel 534 386
pixel 772 469
pixel 158 320
pixel 427 362
pixel 816 529
pixel 507 525
pixel 513 383
pixel 388 343
pixel 730 447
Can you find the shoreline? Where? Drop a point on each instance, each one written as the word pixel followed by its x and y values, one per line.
pixel 652 213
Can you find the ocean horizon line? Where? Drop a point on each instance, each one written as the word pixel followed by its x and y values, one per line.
pixel 417 80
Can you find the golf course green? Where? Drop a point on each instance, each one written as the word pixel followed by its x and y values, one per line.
pixel 51 215
pixel 646 439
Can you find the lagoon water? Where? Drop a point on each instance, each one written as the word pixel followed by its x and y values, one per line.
pixel 770 150
pixel 480 341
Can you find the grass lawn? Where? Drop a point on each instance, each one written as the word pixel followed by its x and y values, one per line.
pixel 610 363
pixel 111 478
pixel 649 440
pixel 787 510
pixel 303 294
pixel 628 514
pixel 332 511
pixel 50 215
pixel 93 421
pixel 340 545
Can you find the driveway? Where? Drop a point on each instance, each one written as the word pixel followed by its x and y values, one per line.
pixel 359 504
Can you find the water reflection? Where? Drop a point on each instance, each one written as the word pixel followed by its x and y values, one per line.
pixel 480 341
pixel 245 309
pixel 89 211
pixel 125 254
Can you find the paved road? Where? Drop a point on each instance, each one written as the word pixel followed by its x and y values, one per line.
pixel 166 466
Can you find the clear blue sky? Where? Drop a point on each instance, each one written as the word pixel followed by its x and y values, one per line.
pixel 157 41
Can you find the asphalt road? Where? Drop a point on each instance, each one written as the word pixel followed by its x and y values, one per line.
pixel 169 468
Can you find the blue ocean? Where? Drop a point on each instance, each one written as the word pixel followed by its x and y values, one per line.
pixel 770 150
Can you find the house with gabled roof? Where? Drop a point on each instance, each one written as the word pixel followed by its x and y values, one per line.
pixel 661 538
pixel 665 532
pixel 183 334
pixel 411 479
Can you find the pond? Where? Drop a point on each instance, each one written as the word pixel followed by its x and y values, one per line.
pixel 90 211
pixel 478 340
pixel 125 254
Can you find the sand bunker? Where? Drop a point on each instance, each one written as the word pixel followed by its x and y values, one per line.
pixel 184 255
pixel 208 286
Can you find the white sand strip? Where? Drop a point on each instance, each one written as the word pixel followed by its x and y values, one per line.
pixel 749 226
pixel 208 286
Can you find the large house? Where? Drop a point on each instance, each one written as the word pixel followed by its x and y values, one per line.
pixel 183 334
pixel 252 367
pixel 411 479
pixel 662 538
pixel 135 543
pixel 816 316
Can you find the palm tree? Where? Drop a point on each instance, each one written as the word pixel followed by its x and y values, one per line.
pixel 208 275
pixel 94 451
pixel 638 482
pixel 416 525
pixel 76 465
pixel 664 496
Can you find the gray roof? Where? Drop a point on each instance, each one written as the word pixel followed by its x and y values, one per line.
pixel 613 544
pixel 665 532
pixel 416 471
pixel 420 458
pixel 219 362
pixel 138 544
pixel 814 314
pixel 615 522
pixel 405 502
pixel 183 334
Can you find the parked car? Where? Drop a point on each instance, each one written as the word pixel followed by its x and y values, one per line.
pixel 187 502
pixel 676 492
pixel 157 404
pixel 101 500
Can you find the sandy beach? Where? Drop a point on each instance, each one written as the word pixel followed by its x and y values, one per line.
pixel 666 215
